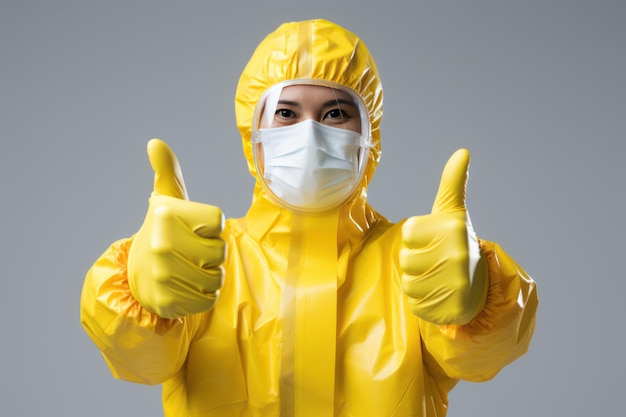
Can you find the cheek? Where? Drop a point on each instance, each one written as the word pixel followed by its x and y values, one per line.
pixel 262 121
pixel 354 125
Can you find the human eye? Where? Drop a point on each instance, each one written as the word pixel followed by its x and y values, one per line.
pixel 342 115
pixel 337 114
pixel 284 114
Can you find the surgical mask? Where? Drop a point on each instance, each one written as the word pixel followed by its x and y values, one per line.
pixel 311 166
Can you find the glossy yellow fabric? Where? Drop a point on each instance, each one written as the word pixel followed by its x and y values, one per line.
pixel 445 276
pixel 311 319
pixel 174 265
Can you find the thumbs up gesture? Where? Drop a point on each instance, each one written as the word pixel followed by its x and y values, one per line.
pixel 444 275
pixel 174 264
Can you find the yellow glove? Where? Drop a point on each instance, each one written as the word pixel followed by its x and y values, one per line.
pixel 174 265
pixel 445 277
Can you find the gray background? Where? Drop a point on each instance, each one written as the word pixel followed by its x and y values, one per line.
pixel 534 89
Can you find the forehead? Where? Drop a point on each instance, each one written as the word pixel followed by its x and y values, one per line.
pixel 314 94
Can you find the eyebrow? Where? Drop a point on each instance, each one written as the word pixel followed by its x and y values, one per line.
pixel 326 104
pixel 339 101
pixel 289 103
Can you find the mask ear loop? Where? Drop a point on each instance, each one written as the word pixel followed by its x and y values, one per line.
pixel 366 133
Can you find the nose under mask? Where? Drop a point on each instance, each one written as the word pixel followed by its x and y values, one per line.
pixel 312 166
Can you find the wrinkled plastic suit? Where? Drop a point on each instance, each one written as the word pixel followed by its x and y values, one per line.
pixel 312 319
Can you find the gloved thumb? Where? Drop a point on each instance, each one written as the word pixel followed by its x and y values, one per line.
pixel 168 177
pixel 451 194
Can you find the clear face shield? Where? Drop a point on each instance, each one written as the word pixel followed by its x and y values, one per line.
pixel 311 142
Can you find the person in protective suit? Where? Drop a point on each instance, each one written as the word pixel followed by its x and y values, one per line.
pixel 313 304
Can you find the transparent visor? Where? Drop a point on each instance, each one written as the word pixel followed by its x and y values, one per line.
pixel 336 111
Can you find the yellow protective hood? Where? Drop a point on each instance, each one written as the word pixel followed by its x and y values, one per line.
pixel 310 50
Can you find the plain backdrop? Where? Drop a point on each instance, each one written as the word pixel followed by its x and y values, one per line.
pixel 534 89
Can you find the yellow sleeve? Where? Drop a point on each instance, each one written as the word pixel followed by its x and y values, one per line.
pixel 498 335
pixel 137 345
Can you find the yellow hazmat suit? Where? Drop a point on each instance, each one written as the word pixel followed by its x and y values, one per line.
pixel 319 314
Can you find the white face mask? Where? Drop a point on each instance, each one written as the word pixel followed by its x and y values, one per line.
pixel 312 166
